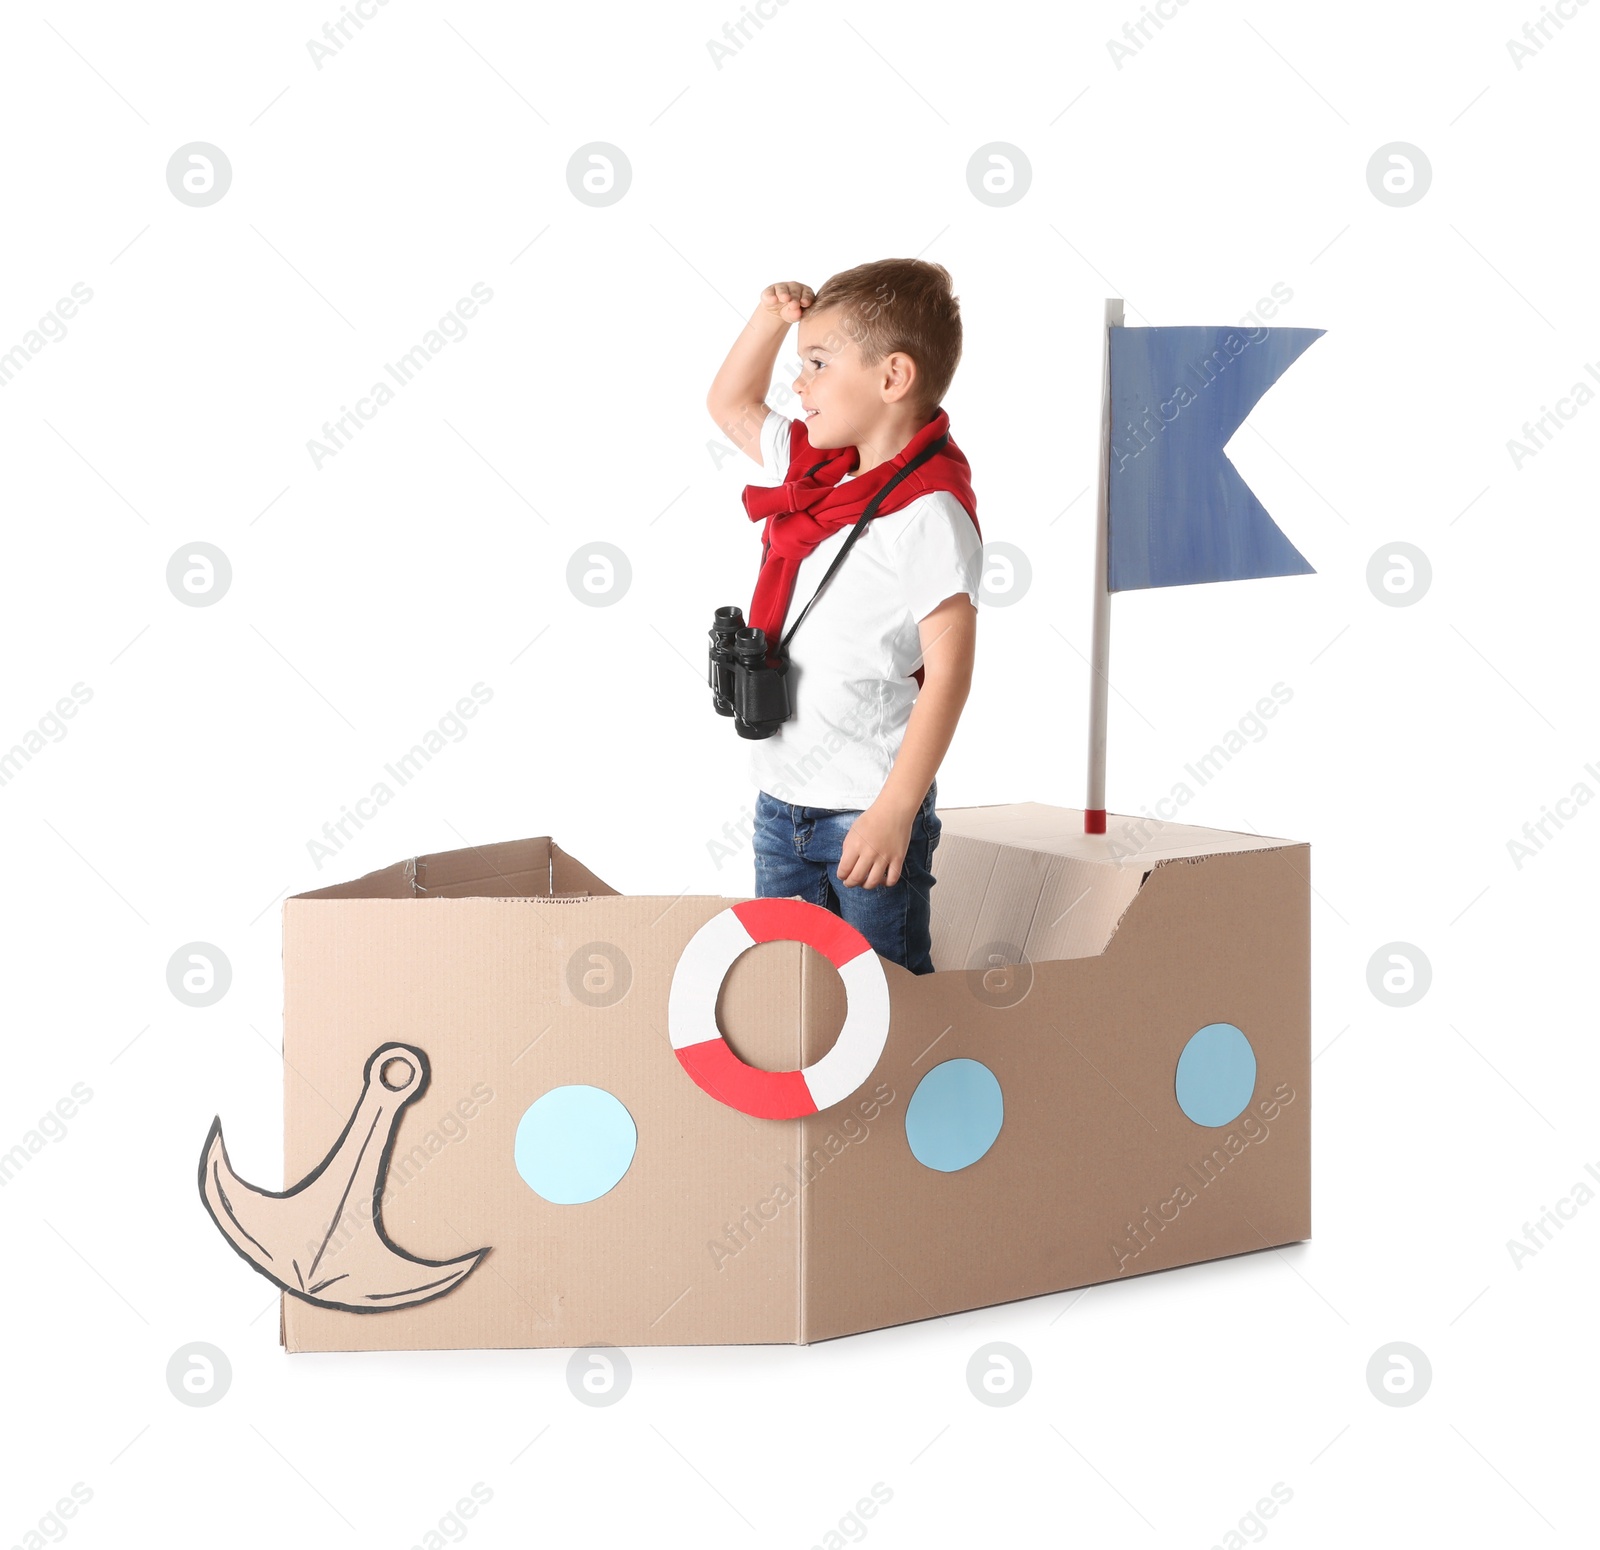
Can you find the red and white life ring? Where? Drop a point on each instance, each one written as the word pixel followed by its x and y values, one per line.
pixel 697 981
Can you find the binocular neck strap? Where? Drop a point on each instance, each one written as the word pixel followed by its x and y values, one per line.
pixel 931 450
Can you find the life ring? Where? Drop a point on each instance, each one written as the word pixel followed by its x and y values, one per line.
pixel 706 1055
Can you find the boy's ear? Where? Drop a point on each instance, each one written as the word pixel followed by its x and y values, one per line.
pixel 897 376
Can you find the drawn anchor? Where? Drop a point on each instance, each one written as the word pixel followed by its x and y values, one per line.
pixel 289 1236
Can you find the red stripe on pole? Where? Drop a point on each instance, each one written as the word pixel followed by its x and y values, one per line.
pixel 793 920
pixel 714 1068
pixel 1094 820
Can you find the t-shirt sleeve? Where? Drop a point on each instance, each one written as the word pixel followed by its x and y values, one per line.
pixel 941 554
pixel 774 447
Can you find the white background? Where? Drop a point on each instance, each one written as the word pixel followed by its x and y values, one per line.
pixel 1227 156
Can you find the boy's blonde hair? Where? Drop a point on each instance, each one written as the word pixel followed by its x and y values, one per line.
pixel 902 304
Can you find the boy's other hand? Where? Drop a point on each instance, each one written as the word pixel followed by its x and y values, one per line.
pixel 875 848
pixel 787 299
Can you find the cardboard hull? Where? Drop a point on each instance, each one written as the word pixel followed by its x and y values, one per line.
pixel 731 1229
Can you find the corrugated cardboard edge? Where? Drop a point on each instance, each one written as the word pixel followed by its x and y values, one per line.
pixel 447 874
pixel 1263 850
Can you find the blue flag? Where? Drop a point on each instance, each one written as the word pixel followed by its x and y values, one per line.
pixel 1178 510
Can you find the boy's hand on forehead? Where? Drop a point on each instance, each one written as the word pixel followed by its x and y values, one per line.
pixel 787 299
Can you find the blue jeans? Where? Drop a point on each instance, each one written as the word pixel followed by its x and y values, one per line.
pixel 797 853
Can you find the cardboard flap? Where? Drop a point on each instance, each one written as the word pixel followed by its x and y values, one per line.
pixel 507 870
pixel 393 882
pixel 568 876
pixel 510 869
pixel 1023 881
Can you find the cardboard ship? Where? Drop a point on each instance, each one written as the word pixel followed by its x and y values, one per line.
pixel 524 1109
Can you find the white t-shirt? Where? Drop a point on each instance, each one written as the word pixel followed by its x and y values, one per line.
pixel 850 663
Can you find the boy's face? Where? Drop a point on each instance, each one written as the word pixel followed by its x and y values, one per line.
pixel 843 399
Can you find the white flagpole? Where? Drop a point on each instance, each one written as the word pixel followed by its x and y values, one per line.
pixel 1094 813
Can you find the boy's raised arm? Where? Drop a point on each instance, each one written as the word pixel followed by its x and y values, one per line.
pixel 738 396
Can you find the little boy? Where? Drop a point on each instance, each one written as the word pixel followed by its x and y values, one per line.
pixel 881 667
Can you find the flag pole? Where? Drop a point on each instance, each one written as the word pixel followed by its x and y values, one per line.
pixel 1094 813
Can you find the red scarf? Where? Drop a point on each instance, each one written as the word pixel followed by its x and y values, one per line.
pixel 811 505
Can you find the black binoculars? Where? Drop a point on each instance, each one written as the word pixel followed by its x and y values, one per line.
pixel 744 683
